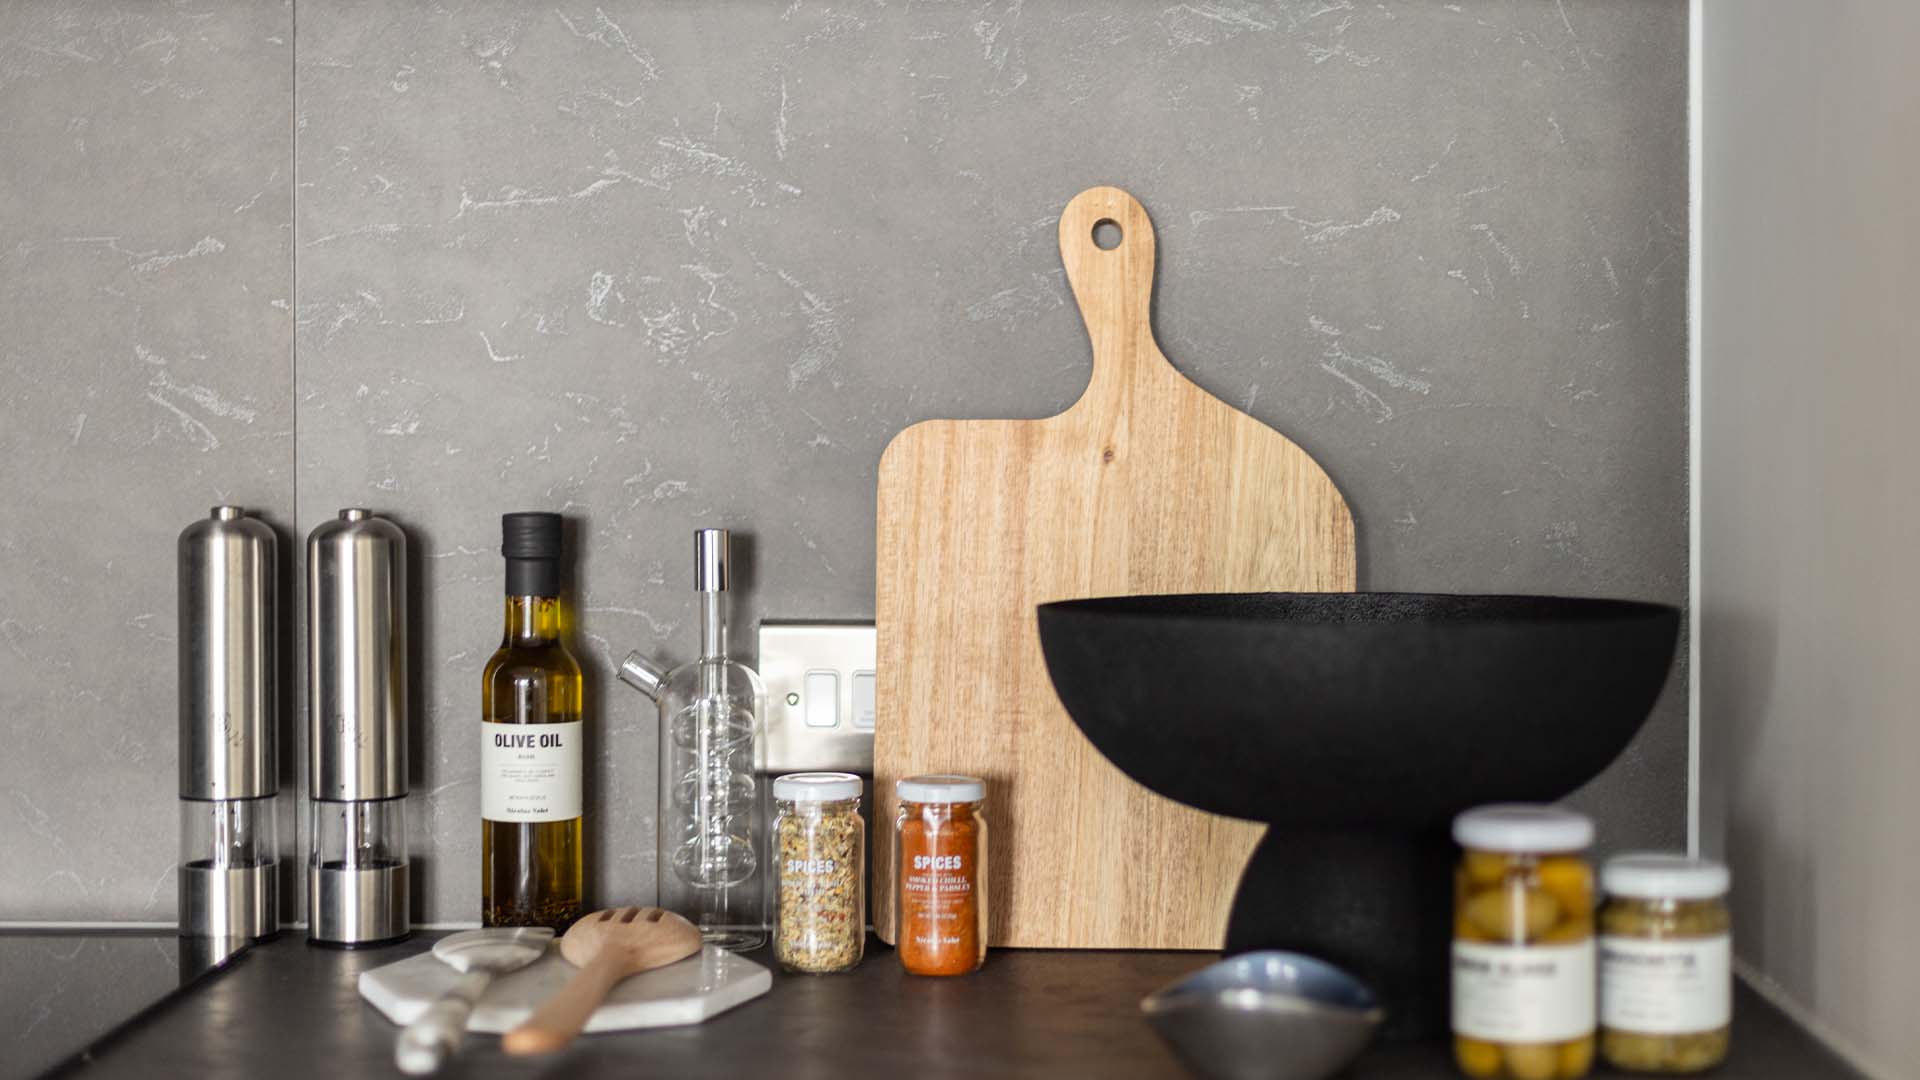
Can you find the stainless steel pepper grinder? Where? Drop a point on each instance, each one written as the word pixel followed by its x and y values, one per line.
pixel 229 771
pixel 357 887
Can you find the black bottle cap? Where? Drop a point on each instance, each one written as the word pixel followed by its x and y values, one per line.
pixel 531 543
pixel 533 534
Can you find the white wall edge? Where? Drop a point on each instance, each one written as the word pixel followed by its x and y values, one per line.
pixel 1696 246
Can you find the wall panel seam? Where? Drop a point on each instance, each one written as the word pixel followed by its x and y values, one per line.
pixel 1696 263
pixel 296 605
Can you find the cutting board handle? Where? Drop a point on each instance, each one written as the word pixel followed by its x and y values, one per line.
pixel 1114 286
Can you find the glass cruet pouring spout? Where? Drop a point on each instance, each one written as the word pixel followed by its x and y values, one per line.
pixel 643 673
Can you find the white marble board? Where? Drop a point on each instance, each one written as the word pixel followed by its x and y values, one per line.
pixel 686 992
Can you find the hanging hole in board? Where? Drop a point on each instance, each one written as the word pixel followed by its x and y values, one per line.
pixel 1106 234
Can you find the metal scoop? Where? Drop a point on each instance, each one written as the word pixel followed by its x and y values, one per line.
pixel 426 1043
pixel 1265 1016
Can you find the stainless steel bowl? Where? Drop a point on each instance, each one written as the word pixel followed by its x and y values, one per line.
pixel 1268 1015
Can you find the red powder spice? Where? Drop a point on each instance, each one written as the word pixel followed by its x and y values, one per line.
pixel 940 878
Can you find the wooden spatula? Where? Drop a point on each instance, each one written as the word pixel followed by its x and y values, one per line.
pixel 606 946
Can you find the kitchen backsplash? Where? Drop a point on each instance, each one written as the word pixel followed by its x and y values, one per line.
pixel 658 266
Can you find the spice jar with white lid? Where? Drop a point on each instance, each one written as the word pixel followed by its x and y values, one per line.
pixel 940 874
pixel 1666 963
pixel 821 843
pixel 1523 952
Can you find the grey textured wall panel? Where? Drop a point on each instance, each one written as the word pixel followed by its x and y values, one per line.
pixel 145 299
pixel 662 265
pixel 659 266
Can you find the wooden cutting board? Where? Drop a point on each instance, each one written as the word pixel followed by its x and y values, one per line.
pixel 1147 484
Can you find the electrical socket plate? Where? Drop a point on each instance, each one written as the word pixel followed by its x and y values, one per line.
pixel 820 681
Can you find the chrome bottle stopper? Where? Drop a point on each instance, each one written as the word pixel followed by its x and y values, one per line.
pixel 229 769
pixel 357 887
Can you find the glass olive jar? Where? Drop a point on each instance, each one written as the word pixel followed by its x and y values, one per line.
pixel 1666 964
pixel 820 848
pixel 1523 952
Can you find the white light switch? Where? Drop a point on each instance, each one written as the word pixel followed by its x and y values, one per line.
pixel 822 698
pixel 863 701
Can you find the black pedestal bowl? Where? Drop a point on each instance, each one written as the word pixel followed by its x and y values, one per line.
pixel 1357 725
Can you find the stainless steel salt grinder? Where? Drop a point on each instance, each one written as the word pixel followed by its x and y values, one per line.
pixel 229 771
pixel 357 730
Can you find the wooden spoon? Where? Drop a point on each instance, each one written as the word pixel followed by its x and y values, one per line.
pixel 606 946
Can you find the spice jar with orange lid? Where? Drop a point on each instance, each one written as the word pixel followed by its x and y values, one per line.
pixel 1523 949
pixel 940 875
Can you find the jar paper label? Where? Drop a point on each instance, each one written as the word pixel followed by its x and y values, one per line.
pixel 530 772
pixel 1523 994
pixel 934 894
pixel 1671 987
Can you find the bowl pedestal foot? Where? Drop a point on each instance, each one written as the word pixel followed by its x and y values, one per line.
pixel 1376 902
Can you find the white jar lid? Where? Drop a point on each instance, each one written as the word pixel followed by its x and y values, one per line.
pixel 1523 827
pixel 1647 875
pixel 942 788
pixel 817 787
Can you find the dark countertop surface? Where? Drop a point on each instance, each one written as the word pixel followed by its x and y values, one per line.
pixel 288 1010
pixel 59 992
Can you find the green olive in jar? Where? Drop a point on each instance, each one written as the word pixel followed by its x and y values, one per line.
pixel 1576 1056
pixel 1485 867
pixel 1568 880
pixel 1533 1061
pixel 1512 912
pixel 1477 1057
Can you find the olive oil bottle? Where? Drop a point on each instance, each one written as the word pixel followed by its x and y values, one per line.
pixel 532 855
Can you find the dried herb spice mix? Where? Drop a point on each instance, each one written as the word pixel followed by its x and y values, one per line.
pixel 820 841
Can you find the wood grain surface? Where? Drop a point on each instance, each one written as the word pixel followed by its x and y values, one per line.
pixel 1147 484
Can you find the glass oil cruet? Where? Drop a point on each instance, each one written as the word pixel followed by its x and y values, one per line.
pixel 709 709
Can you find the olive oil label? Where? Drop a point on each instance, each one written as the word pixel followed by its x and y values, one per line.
pixel 1671 987
pixel 1522 994
pixel 530 772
